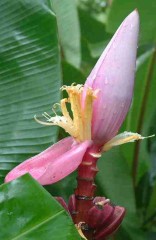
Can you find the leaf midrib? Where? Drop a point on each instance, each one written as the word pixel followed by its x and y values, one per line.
pixel 36 226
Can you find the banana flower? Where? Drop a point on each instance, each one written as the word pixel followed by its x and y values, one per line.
pixel 98 110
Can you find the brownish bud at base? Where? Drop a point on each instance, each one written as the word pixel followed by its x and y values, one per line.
pixel 100 214
pixel 110 227
pixel 103 219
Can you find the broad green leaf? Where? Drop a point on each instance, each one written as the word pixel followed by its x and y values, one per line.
pixel 143 195
pixel 87 61
pixel 130 229
pixel 28 211
pixel 141 113
pixel 151 236
pixel 152 204
pixel 115 183
pixel 93 31
pixel 152 151
pixel 143 57
pixel 65 187
pixel 119 9
pixel 96 49
pixel 114 179
pixel 29 78
pixel 69 29
pixel 71 75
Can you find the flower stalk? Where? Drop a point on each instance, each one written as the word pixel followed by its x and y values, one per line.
pixel 85 191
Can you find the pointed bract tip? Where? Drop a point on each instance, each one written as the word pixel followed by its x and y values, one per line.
pixel 133 16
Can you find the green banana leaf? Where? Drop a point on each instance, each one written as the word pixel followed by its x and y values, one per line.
pixel 28 211
pixel 30 78
pixel 69 30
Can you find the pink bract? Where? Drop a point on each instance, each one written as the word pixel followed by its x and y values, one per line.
pixel 54 163
pixel 113 75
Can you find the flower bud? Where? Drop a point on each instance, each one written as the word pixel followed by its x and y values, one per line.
pixel 112 225
pixel 100 214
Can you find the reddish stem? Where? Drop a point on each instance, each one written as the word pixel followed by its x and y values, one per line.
pixel 84 193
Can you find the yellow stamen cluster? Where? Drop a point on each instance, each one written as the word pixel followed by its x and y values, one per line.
pixel 79 124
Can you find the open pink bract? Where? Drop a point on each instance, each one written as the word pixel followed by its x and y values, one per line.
pixel 54 163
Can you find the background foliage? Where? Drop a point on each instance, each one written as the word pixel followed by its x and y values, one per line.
pixel 47 43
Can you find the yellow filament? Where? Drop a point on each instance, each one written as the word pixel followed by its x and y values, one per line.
pixel 78 227
pixel 74 93
pixel 79 125
pixel 87 114
pixel 77 114
pixel 65 111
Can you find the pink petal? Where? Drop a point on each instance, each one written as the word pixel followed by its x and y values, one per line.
pixel 53 164
pixel 113 75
